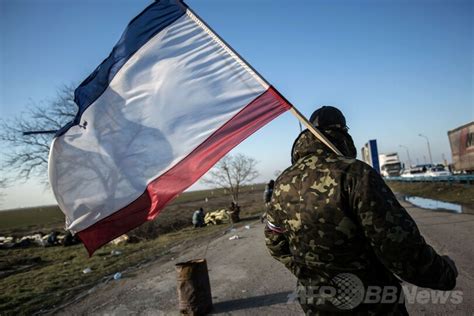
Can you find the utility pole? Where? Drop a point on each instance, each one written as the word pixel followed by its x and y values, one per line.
pixel 429 149
pixel 408 154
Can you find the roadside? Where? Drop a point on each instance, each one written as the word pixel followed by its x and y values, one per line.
pixel 62 273
pixel 59 271
pixel 449 234
pixel 245 280
pixel 447 192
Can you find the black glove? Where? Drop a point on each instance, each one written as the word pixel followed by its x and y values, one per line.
pixel 451 264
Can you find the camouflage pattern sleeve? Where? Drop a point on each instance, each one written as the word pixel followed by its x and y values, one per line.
pixel 276 241
pixel 395 238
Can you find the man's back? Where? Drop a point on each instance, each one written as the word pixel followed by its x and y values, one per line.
pixel 321 231
pixel 332 215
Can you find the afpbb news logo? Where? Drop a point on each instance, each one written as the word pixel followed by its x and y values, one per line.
pixel 346 291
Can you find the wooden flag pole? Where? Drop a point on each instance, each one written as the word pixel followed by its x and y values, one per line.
pixel 310 126
pixel 314 130
pixel 259 78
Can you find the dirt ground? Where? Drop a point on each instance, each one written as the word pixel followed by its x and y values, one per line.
pixel 245 280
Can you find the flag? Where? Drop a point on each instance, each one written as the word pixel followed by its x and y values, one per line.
pixel 169 101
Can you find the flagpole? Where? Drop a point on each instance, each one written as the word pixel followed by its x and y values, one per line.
pixel 196 16
pixel 314 130
pixel 309 126
pixel 293 110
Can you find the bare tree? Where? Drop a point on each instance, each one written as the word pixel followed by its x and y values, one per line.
pixel 231 172
pixel 3 185
pixel 27 155
pixel 277 173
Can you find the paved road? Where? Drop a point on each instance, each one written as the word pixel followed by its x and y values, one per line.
pixel 245 280
pixel 453 235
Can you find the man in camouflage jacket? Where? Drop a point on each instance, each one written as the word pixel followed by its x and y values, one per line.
pixel 333 216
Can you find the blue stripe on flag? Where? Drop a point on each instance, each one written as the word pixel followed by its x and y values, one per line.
pixel 139 31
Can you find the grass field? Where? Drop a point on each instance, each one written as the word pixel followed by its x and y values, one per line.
pixel 39 279
pixel 455 192
pixel 46 218
pixel 29 220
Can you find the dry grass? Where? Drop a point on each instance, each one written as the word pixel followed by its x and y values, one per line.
pixel 52 276
pixel 28 220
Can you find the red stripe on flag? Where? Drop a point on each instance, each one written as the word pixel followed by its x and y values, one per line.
pixel 162 190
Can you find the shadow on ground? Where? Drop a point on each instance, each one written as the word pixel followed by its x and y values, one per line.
pixel 251 302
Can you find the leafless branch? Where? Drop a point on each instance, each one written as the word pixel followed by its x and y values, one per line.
pixel 3 185
pixel 27 155
pixel 231 173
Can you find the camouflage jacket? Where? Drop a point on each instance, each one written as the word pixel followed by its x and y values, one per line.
pixel 331 215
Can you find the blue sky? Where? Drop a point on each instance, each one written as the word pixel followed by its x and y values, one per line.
pixel 395 68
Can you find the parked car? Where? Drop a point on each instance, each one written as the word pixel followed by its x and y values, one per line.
pixel 406 173
pixel 416 171
pixel 437 171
